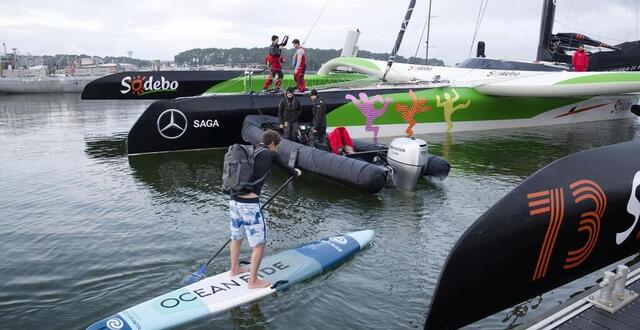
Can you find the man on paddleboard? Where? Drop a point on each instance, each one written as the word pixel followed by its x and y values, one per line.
pixel 246 217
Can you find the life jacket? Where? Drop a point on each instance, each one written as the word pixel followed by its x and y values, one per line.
pixel 274 59
pixel 300 59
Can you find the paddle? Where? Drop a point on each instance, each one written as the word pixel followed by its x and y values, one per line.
pixel 200 273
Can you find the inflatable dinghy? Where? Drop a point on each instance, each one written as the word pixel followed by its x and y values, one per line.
pixel 370 169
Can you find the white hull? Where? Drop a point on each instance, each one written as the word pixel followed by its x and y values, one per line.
pixel 44 85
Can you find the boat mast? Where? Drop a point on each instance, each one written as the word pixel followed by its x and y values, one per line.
pixel 403 27
pixel 426 58
pixel 546 28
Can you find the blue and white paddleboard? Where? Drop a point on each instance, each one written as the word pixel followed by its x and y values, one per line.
pixel 219 293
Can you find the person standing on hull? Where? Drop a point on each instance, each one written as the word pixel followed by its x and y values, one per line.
pixel 319 123
pixel 274 60
pixel 288 113
pixel 580 60
pixel 246 215
pixel 299 65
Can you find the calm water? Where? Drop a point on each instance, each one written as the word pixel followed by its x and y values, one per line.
pixel 87 231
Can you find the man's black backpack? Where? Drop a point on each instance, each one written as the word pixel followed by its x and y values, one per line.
pixel 237 171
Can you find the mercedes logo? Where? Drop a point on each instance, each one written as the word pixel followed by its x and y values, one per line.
pixel 172 124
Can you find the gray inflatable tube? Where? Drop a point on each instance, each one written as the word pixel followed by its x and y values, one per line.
pixel 348 171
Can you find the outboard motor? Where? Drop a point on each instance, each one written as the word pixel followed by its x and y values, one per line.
pixel 408 157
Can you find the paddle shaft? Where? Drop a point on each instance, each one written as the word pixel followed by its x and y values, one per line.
pixel 261 207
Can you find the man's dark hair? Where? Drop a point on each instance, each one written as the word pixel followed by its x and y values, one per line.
pixel 296 41
pixel 274 37
pixel 270 136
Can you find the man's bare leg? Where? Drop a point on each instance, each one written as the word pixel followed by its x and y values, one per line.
pixel 256 258
pixel 235 256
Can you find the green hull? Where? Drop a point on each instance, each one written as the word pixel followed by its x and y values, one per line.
pixel 256 82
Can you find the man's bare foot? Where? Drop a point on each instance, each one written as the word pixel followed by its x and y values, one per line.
pixel 238 271
pixel 259 284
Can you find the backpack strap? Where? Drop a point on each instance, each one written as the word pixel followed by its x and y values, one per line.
pixel 261 147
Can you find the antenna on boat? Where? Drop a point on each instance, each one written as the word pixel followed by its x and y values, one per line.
pixel 427 26
pixel 426 57
pixel 403 27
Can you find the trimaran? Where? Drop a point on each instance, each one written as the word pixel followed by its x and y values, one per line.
pixel 374 99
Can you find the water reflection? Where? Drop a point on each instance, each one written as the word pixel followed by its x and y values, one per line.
pixel 167 173
pixel 249 317
pixel 106 147
pixel 520 152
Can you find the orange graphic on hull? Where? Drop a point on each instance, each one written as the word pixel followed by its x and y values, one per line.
pixel 543 202
pixel 587 190
pixel 418 104
pixel 552 202
pixel 137 85
pixel 574 110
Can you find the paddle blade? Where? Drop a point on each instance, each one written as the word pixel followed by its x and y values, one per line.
pixel 196 276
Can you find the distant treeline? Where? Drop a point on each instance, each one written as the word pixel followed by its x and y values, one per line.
pixel 315 57
pixel 207 56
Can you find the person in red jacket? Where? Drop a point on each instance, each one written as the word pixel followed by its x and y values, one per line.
pixel 274 60
pixel 299 65
pixel 580 60
pixel 340 141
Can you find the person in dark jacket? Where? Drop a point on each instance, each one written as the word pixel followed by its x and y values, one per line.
pixel 319 123
pixel 247 219
pixel 288 113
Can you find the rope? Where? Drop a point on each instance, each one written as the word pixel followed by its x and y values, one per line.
pixel 415 56
pixel 315 22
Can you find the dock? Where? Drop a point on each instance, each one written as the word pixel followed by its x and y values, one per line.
pixel 582 312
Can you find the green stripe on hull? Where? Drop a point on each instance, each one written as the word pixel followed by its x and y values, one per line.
pixel 441 102
pixel 614 77
pixel 237 85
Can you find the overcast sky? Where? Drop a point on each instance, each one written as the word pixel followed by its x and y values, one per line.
pixel 159 29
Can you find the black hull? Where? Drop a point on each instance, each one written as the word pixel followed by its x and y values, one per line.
pixel 214 121
pixel 623 57
pixel 352 172
pixel 162 84
pixel 565 221
pixel 623 60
